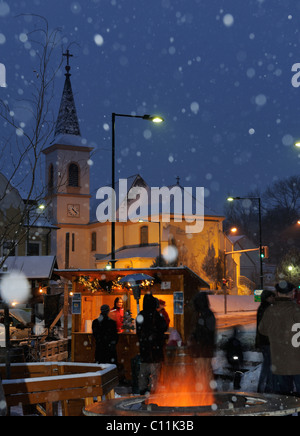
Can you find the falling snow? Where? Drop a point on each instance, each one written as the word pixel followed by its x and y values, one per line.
pixel 218 76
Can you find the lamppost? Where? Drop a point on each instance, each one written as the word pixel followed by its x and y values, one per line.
pixel 154 119
pixel 260 233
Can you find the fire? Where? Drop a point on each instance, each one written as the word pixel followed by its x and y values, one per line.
pixel 184 382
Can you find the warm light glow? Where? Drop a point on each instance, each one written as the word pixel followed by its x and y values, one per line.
pixel 184 382
pixel 153 118
pixel 157 120
pixel 233 230
pixel 42 206
pixel 108 266
pixel 298 222
pixel 297 144
pixel 230 199
pixel 290 268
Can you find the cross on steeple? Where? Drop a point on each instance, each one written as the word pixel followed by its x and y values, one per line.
pixel 68 56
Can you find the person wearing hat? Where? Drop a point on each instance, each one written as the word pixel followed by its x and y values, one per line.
pixel 281 324
pixel 106 337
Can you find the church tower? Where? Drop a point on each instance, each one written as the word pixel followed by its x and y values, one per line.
pixel 67 178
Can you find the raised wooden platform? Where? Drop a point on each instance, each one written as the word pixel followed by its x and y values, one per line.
pixel 43 384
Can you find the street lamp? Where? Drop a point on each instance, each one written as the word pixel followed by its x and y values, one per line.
pixel 154 119
pixel 261 256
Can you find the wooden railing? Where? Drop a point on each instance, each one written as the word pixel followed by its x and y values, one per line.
pixel 44 384
pixel 54 351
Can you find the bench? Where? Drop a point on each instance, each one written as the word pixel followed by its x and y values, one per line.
pixel 73 384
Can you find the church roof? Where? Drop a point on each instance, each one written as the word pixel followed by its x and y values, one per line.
pixel 149 252
pixel 137 181
pixel 67 121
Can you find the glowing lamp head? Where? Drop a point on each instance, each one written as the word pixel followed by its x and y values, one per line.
pixel 157 120
pixel 154 118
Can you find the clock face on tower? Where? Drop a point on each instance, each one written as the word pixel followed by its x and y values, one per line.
pixel 74 210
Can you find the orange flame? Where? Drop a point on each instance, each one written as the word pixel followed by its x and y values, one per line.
pixel 184 382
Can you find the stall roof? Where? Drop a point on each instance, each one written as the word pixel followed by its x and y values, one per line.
pixel 110 274
pixel 34 267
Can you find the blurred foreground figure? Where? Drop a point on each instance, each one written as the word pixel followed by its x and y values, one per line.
pixel 3 408
pixel 235 356
pixel 262 343
pixel 203 338
pixel 281 323
pixel 106 337
pixel 150 329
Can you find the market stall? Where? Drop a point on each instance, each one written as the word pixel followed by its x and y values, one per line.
pixel 93 288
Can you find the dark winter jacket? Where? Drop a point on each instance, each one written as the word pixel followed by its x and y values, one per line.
pixel 203 338
pixel 150 329
pixel 281 323
pixel 106 337
pixel 261 340
pixel 3 406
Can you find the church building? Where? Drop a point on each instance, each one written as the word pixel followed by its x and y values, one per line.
pixel 81 241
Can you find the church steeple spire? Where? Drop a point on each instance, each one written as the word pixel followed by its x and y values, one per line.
pixel 67 121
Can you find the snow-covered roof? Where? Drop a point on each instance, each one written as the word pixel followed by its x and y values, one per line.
pixel 235 239
pixel 34 267
pixel 69 139
pixel 39 219
pixel 140 252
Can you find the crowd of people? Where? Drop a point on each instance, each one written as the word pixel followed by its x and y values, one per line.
pixel 151 325
pixel 277 338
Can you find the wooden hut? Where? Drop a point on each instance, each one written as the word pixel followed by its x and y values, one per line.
pixel 92 288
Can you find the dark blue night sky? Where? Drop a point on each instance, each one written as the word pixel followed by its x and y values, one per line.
pixel 219 72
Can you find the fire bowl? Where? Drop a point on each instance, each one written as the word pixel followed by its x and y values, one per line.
pixel 225 404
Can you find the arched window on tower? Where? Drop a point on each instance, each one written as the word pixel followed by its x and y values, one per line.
pixel 51 178
pixel 73 175
pixel 144 235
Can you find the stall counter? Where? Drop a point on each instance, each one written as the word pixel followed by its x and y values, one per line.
pixel 83 350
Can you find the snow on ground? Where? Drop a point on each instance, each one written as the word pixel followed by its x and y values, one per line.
pixel 234 303
pixel 252 358
pixel 249 381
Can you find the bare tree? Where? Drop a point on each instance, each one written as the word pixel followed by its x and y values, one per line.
pixel 244 214
pixel 280 211
pixel 284 195
pixel 21 147
pixel 288 268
